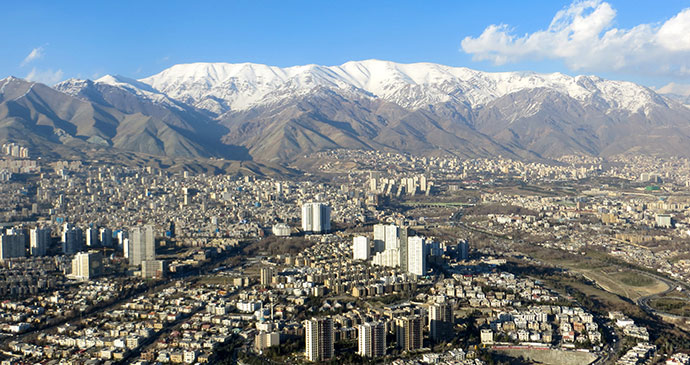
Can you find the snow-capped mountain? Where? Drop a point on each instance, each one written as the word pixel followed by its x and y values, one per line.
pixel 222 87
pixel 142 91
pixel 252 111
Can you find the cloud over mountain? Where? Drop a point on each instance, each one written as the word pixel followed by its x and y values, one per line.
pixel 583 36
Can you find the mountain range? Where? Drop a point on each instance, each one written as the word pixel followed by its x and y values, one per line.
pixel 279 115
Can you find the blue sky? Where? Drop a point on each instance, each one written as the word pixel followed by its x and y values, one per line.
pixel 53 40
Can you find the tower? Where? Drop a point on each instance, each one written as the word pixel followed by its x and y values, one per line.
pixel 464 248
pixel 86 265
pixel 416 255
pixel 360 248
pixel 372 339
pixel 440 321
pixel 72 239
pixel 404 231
pixel 12 245
pixel 39 240
pixel 91 237
pixel 142 245
pixel 316 217
pixel 106 237
pixel 319 339
pixel 408 333
pixel 266 275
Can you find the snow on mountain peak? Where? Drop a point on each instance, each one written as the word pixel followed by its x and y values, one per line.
pixel 219 87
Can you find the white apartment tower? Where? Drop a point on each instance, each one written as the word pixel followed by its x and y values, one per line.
pixel 416 255
pixel 372 339
pixel 91 237
pixel 316 217
pixel 39 240
pixel 386 237
pixel 319 339
pixel 360 248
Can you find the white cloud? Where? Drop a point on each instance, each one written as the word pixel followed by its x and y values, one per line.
pixel 674 88
pixel 583 37
pixel 35 54
pixel 48 77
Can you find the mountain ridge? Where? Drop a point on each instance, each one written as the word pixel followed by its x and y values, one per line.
pixel 410 85
pixel 258 112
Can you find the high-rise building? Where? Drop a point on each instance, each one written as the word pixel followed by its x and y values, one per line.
pixel 664 220
pixel 266 275
pixel 387 245
pixel 72 239
pixel 91 237
pixel 86 265
pixel 319 339
pixel 142 245
pixel 39 240
pixel 404 231
pixel 372 339
pixel 408 333
pixel 416 255
pixel 154 269
pixel 386 237
pixel 12 245
pixel 264 340
pixel 441 321
pixel 122 245
pixel 464 249
pixel 106 236
pixel 360 248
pixel 316 217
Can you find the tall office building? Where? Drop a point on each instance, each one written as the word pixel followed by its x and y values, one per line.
pixel 319 339
pixel 416 255
pixel 316 217
pixel 464 249
pixel 408 333
pixel 142 245
pixel 403 232
pixel 39 240
pixel 441 321
pixel 72 239
pixel 360 248
pixel 91 237
pixel 12 245
pixel 106 237
pixel 266 275
pixel 86 265
pixel 372 339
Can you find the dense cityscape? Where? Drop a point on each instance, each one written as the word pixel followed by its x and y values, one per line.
pixel 392 257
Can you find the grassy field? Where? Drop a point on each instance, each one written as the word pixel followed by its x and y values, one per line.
pixel 629 284
pixel 676 306
pixel 597 267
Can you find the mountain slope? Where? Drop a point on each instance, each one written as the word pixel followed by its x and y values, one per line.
pixel 222 87
pixel 266 113
pixel 36 114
